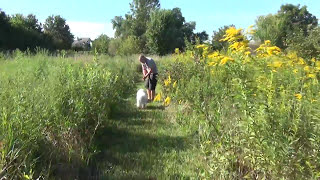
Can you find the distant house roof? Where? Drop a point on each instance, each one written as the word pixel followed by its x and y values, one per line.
pixel 80 42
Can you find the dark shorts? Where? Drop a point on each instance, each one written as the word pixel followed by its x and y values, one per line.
pixel 151 82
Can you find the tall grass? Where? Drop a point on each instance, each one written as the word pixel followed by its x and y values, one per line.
pixel 50 109
pixel 252 120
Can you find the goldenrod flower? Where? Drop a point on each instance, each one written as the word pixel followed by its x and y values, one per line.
pixel 168 81
pixel 167 101
pixel 212 63
pixel 214 55
pixel 177 51
pixel 225 60
pixel 318 65
pixel 157 98
pixel 265 50
pixel 298 96
pixel 306 68
pixel 301 61
pixel 267 42
pixel 201 46
pixel 277 64
pixel 174 84
pixel 313 76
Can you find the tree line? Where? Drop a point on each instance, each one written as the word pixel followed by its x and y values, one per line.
pixel 26 32
pixel 148 28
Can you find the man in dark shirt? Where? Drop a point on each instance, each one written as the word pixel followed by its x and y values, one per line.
pixel 150 72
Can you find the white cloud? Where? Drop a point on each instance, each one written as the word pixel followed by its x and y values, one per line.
pixel 90 29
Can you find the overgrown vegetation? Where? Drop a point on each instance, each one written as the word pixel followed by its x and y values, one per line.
pixel 222 110
pixel 256 116
pixel 51 109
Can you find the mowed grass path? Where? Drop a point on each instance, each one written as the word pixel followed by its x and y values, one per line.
pixel 145 144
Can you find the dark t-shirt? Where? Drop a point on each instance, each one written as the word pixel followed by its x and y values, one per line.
pixel 150 64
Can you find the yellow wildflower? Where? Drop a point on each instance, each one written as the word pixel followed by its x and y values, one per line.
pixel 201 46
pixel 306 69
pixel 213 55
pixel 277 64
pixel 212 63
pixel 313 60
pixel 232 34
pixel 318 65
pixel 298 96
pixel 267 42
pixel 174 84
pixel 313 76
pixel 168 81
pixel 225 60
pixel 157 98
pixel 301 61
pixel 273 50
pixel 177 51
pixel 167 101
pixel 295 71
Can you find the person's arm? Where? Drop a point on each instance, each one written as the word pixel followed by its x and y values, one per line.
pixel 149 71
pixel 144 71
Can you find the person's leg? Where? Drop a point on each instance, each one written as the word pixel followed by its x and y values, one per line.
pixel 153 87
pixel 153 93
pixel 149 94
pixel 148 86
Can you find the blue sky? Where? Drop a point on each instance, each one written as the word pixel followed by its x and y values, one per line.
pixel 90 18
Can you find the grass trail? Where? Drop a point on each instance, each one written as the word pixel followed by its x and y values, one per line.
pixel 144 144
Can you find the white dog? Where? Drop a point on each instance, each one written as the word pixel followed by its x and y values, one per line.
pixel 142 98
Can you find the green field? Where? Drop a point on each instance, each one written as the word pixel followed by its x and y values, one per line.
pixel 73 118
pixel 219 115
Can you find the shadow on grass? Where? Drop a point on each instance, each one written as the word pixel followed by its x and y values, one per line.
pixel 155 107
pixel 127 150
pixel 135 153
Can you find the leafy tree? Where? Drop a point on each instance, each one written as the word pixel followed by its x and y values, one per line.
pixel 101 44
pixel 114 45
pixel 297 18
pixel 29 23
pixel 135 22
pixel 5 30
pixel 306 47
pixel 271 28
pixel 140 11
pixel 56 27
pixel 217 36
pixel 129 46
pixel 289 21
pixel 188 29
pixel 201 36
pixel 165 31
pixel 117 25
pixel 26 32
